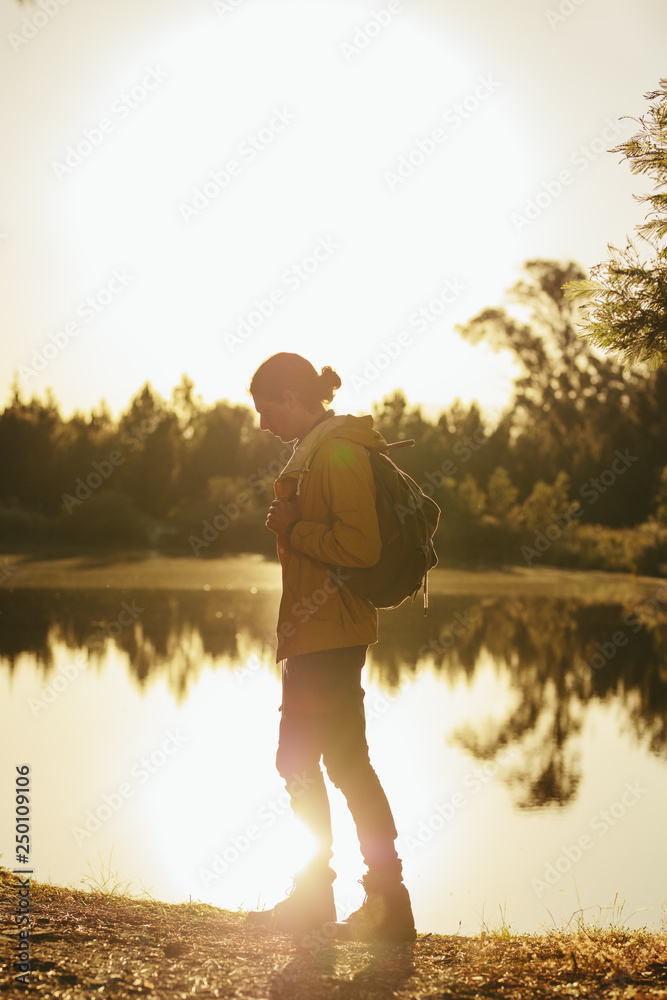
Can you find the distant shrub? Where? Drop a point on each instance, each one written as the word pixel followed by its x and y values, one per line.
pixel 107 519
pixel 640 550
pixel 20 527
pixel 206 529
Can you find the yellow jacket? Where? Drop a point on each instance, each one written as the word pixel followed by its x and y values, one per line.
pixel 329 477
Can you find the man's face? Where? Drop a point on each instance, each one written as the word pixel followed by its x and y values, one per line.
pixel 278 418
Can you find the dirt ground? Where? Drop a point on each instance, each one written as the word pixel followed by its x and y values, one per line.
pixel 93 944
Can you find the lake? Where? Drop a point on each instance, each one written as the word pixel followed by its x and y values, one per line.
pixel 519 730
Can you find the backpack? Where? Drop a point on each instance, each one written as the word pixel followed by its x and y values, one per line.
pixel 408 520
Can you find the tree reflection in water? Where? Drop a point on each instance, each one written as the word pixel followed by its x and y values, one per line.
pixel 559 655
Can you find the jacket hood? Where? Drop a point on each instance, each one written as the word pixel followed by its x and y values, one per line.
pixel 358 430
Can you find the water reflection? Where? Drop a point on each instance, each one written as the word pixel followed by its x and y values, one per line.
pixel 525 715
pixel 558 655
pixel 161 632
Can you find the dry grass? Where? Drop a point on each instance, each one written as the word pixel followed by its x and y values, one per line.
pixel 105 944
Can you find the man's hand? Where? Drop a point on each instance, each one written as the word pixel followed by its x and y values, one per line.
pixel 280 516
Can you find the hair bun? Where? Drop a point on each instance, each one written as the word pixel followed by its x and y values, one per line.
pixel 329 375
pixel 330 381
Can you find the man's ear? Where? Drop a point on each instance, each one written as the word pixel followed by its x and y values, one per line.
pixel 289 397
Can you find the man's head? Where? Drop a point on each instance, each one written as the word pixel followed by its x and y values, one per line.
pixel 289 394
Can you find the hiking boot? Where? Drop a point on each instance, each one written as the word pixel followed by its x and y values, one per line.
pixel 385 915
pixel 308 907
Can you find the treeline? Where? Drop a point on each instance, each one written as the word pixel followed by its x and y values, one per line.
pixel 574 472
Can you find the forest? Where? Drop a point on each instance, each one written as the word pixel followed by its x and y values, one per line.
pixel 572 473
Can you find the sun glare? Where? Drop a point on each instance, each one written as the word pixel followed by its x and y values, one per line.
pixel 264 191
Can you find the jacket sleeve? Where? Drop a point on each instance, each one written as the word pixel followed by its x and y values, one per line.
pixel 352 538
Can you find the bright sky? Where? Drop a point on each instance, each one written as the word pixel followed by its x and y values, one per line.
pixel 192 186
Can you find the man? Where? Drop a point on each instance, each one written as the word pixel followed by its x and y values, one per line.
pixel 324 519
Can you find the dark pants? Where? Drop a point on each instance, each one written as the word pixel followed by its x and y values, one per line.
pixel 323 718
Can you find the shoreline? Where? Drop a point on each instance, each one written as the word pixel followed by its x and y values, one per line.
pixel 155 571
